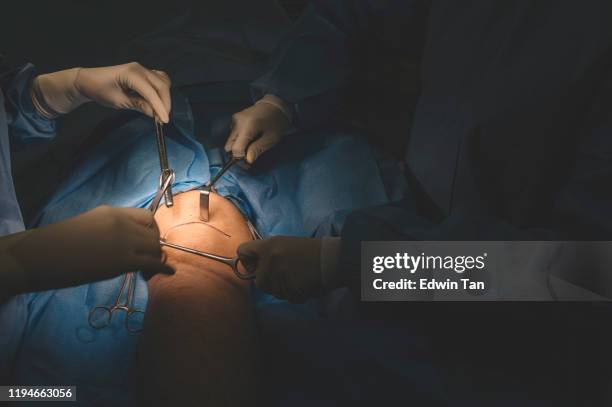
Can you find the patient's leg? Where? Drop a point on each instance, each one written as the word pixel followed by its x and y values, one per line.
pixel 198 344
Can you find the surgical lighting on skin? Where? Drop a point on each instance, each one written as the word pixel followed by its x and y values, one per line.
pixel 233 262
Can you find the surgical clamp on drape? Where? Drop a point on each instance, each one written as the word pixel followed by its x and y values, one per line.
pixel 101 315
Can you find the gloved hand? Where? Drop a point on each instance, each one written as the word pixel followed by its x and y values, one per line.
pixel 257 129
pixel 97 245
pixel 287 267
pixel 127 86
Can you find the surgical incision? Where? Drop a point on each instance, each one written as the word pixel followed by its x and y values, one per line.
pixel 182 225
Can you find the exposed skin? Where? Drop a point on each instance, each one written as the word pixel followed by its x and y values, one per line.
pixel 198 345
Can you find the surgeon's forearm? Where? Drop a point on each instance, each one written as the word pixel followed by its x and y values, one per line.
pixel 307 70
pixel 318 59
pixel 13 279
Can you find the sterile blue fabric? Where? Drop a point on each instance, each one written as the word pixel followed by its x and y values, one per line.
pixel 20 124
pixel 60 346
pixel 293 196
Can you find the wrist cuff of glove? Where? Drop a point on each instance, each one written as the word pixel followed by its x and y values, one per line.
pixel 39 102
pixel 57 93
pixel 279 103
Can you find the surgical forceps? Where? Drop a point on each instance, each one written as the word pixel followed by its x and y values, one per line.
pixel 163 158
pixel 232 262
pixel 101 315
pixel 208 188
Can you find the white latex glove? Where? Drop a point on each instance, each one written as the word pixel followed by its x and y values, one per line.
pixel 127 86
pixel 97 245
pixel 287 267
pixel 257 129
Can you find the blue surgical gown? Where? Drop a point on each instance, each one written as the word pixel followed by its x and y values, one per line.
pixel 20 124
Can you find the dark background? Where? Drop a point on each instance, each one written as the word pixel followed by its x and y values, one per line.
pixel 66 33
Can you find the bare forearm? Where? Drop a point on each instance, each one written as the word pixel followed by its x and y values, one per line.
pixel 199 327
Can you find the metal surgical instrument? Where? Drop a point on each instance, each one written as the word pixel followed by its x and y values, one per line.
pixel 233 160
pixel 207 189
pixel 101 316
pixel 205 204
pixel 229 261
pixel 163 157
pixel 165 183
